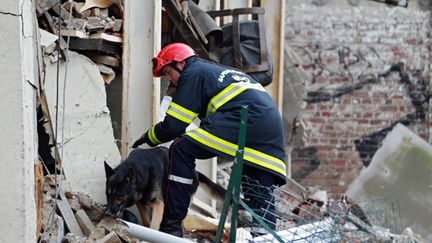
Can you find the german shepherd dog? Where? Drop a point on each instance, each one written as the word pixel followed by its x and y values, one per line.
pixel 140 179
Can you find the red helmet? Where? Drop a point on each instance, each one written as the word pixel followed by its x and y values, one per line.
pixel 173 52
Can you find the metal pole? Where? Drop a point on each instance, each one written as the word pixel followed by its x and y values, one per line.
pixel 238 162
pixel 233 190
pixel 150 235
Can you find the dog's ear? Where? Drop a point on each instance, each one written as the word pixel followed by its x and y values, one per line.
pixel 130 176
pixel 108 170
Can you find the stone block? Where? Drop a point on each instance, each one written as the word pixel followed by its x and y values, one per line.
pixel 84 221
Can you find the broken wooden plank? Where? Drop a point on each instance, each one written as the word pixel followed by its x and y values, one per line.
pixel 68 215
pixel 69 218
pixel 200 223
pixel 73 33
pixel 106 60
pixel 38 195
pixel 107 37
pixel 101 45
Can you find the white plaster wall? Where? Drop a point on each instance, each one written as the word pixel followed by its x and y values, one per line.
pixel 17 106
pixel 141 92
pixel 87 129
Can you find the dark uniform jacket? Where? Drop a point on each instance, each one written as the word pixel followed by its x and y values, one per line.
pixel 215 94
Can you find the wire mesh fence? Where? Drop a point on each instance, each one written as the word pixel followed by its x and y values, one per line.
pixel 296 218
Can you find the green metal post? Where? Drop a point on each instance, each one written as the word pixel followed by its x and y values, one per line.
pixel 234 182
pixel 238 172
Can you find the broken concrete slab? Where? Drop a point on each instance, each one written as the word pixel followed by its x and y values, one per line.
pixel 88 134
pixel 400 169
pixel 56 231
pixel 84 221
pixel 47 38
pixel 295 78
pixel 97 234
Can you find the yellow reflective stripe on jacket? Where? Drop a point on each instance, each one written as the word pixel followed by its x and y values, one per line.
pixel 229 93
pixel 181 113
pixel 152 136
pixel 250 155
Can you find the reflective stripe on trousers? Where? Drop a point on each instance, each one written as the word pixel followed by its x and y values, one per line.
pixel 251 155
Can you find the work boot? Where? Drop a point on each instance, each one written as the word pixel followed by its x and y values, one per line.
pixel 172 227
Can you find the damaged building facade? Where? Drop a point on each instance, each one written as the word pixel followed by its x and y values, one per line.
pixel 345 73
pixel 89 59
pixel 359 68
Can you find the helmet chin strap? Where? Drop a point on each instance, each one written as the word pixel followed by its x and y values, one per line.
pixel 174 65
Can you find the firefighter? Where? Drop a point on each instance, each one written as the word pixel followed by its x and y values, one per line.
pixel 214 94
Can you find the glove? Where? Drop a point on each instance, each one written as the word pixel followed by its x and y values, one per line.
pixel 143 139
pixel 140 141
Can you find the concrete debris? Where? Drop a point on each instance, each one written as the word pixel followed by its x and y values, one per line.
pixel 84 221
pixel 110 238
pixel 312 217
pixel 47 41
pixel 94 28
pixel 400 169
pixel 106 230
pixel 107 73
pixel 97 234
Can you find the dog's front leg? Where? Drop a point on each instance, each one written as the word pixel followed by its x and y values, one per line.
pixel 142 208
pixel 157 213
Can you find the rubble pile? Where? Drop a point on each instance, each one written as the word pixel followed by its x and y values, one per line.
pixel 92 27
pixel 79 219
pixel 84 218
pixel 313 216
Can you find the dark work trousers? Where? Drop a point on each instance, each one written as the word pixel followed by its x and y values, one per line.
pixel 182 155
pixel 181 166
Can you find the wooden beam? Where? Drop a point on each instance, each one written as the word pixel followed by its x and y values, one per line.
pixel 185 28
pixel 275 27
pixel 101 45
pixel 68 216
pixel 39 177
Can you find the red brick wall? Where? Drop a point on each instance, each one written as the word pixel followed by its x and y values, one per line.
pixel 369 69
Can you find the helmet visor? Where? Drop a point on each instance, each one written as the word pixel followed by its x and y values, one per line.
pixel 157 65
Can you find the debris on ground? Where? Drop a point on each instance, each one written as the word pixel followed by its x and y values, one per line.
pixel 312 217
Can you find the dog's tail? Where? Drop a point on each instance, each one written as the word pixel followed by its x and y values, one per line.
pixel 214 190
